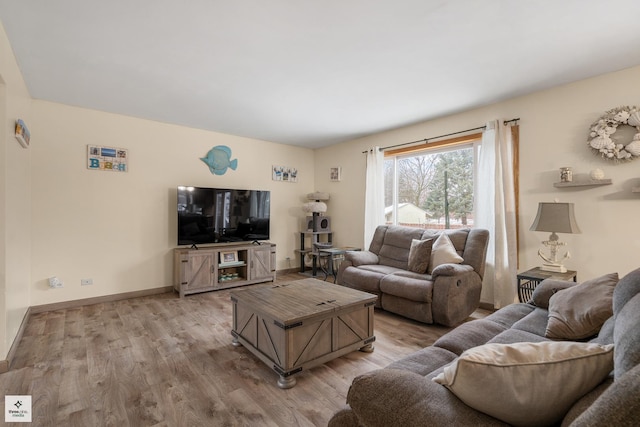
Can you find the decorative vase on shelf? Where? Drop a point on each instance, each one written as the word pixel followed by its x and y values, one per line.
pixel 596 174
pixel 566 174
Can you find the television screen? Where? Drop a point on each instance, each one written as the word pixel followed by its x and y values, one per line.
pixel 221 215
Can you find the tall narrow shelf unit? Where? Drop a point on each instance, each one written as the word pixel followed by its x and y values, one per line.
pixel 201 270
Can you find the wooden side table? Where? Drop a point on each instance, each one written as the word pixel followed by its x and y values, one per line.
pixel 530 279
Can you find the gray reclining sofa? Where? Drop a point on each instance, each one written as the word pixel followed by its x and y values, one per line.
pixel 447 295
pixel 404 393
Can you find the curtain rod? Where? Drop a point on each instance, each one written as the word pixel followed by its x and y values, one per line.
pixel 426 140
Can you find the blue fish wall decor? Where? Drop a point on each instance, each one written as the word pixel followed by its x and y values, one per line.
pixel 219 159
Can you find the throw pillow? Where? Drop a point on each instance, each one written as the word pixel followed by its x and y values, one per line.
pixel 527 384
pixel 580 311
pixel 545 290
pixel 443 252
pixel 419 255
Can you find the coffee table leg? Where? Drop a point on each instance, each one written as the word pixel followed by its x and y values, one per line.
pixel 286 382
pixel 367 348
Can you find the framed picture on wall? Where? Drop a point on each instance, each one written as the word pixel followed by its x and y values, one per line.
pixel 335 174
pixel 284 173
pixel 111 159
pixel 22 133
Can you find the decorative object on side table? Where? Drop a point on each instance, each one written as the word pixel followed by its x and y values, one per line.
pixel 618 148
pixel 555 218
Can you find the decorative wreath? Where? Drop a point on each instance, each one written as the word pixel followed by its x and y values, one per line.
pixel 600 134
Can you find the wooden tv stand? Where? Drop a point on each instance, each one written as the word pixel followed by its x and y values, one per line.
pixel 201 270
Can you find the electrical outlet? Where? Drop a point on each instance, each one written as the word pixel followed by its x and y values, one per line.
pixel 54 282
pixel 85 282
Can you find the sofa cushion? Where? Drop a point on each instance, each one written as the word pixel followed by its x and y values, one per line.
pixel 392 397
pixel 512 336
pixel 543 379
pixel 416 288
pixel 394 251
pixel 535 322
pixel 627 288
pixel 585 401
pixel 510 314
pixel 360 278
pixel 443 252
pixel 419 255
pixel 469 335
pixel 627 337
pixel 617 406
pixel 424 361
pixel 579 311
pixel 605 336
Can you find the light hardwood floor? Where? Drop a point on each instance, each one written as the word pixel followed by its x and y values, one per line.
pixel 165 361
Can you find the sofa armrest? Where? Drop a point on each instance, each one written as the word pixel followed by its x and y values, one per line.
pixel 450 270
pixel 388 397
pixel 361 258
pixel 455 296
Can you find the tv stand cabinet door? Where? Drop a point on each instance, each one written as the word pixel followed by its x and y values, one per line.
pixel 198 270
pixel 260 266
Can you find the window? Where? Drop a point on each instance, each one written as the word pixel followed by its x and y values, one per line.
pixel 432 187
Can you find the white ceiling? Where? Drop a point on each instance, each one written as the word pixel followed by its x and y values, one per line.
pixel 311 73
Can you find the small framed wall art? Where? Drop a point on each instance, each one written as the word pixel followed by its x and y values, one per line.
pixel 22 133
pixel 284 173
pixel 335 174
pixel 107 158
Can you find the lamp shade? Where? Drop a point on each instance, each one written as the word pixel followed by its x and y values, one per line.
pixel 555 218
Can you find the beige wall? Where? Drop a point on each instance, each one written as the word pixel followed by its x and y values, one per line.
pixel 119 229
pixel 15 199
pixel 58 218
pixel 553 133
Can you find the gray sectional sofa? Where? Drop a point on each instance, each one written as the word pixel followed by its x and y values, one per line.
pixel 404 393
pixel 446 294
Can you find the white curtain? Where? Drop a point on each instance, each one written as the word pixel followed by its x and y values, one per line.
pixel 496 211
pixel 374 194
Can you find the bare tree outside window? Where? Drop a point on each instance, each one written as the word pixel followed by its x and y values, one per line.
pixel 434 190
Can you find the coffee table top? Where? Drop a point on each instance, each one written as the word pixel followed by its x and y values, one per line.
pixel 291 302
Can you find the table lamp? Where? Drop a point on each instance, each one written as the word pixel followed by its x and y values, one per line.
pixel 554 218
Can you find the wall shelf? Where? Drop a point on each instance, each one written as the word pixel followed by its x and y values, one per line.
pixel 585 183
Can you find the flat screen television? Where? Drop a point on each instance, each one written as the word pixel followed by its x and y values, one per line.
pixel 222 215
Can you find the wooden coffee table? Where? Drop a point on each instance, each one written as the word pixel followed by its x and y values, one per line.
pixel 298 325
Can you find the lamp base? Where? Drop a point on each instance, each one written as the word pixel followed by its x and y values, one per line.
pixel 554 268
